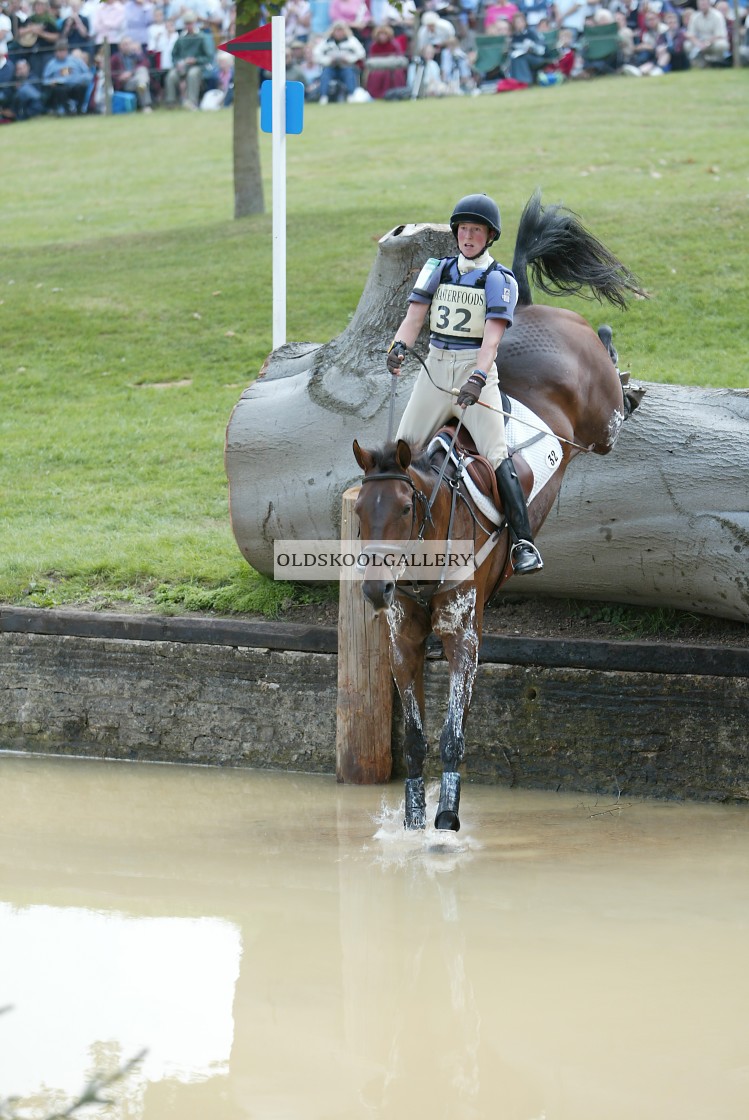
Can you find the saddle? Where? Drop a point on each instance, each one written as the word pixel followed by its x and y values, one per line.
pixel 478 467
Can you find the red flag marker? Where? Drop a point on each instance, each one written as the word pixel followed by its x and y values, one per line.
pixel 254 47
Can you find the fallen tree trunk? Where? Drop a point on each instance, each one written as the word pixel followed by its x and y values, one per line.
pixel 662 521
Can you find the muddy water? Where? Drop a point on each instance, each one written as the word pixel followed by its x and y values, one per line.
pixel 284 951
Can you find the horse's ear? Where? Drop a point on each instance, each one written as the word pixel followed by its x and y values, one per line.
pixel 365 459
pixel 403 454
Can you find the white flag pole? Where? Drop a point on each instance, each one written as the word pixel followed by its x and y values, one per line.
pixel 278 148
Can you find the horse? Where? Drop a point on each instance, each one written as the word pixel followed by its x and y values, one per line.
pixel 555 364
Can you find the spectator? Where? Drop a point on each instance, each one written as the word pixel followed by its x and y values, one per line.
pixel 500 26
pixel 77 29
pixel 35 36
pixel 354 13
pixel 608 64
pixel 162 35
pixel 644 62
pixel 298 16
pixel 98 100
pixel 294 63
pixel 707 36
pixel 66 80
pixel 625 38
pixel 338 55
pixel 527 51
pixel 108 23
pixel 385 50
pixel 130 72
pixel 210 16
pixel 567 60
pixel 137 21
pixel 534 11
pixel 7 83
pixel 27 101
pixel 726 11
pixel 456 68
pixel 310 70
pixel 571 14
pixel 671 45
pixel 88 7
pixel 320 19
pixel 220 90
pixel 424 77
pixel 434 31
pixel 494 12
pixel 6 30
pixel 192 55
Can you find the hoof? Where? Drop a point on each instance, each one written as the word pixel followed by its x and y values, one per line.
pixel 416 804
pixel 447 821
pixel 447 818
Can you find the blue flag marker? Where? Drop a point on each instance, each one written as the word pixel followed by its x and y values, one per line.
pixel 294 107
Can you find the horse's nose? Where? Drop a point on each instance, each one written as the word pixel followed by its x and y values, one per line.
pixel 379 594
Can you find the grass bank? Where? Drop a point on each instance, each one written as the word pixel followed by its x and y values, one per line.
pixel 134 310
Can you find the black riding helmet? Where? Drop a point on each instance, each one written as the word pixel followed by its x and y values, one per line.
pixel 477 208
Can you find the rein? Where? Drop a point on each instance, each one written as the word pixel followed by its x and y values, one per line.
pixel 499 411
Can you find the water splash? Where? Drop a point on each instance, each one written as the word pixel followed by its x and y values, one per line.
pixel 437 850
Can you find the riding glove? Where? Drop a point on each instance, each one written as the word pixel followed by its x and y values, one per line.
pixel 471 390
pixel 396 354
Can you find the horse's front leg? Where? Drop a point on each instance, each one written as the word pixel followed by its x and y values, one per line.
pixel 409 626
pixel 455 620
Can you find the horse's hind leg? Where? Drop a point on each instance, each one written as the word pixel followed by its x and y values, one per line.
pixel 455 621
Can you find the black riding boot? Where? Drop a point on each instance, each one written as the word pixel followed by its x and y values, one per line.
pixel 524 555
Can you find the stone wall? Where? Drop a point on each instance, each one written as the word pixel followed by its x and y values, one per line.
pixel 658 734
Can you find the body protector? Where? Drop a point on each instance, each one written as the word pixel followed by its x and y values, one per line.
pixel 459 305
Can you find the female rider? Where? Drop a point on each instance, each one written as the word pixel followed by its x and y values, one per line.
pixel 470 300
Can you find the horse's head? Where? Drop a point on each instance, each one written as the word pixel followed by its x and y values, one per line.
pixel 385 508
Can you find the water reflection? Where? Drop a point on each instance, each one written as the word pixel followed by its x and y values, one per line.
pixel 285 950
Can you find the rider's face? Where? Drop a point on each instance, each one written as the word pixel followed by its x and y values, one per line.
pixel 472 238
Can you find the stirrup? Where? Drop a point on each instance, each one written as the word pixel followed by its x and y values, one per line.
pixel 529 559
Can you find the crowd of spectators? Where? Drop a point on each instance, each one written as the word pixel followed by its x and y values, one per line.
pixel 68 57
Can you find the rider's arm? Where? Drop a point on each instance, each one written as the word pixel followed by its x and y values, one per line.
pixel 410 328
pixel 487 355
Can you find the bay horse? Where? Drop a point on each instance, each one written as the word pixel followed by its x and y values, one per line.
pixel 554 363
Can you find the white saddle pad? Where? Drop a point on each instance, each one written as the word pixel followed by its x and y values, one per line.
pixel 543 455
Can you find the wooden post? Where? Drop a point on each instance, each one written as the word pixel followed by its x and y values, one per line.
pixel 365 684
pixel 107 68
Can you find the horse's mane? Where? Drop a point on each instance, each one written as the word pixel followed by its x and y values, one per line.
pixel 386 458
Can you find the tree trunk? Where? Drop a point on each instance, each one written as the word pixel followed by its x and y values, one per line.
pixel 248 180
pixel 662 521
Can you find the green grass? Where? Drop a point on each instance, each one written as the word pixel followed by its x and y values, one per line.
pixel 134 310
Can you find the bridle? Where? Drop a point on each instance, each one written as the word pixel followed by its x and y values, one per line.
pixel 423 593
pixel 420 499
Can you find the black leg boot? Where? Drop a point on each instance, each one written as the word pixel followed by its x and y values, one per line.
pixel 447 810
pixel 525 556
pixel 416 804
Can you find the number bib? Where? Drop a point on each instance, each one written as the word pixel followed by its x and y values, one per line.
pixel 458 313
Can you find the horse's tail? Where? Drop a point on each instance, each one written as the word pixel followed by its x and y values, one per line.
pixel 564 257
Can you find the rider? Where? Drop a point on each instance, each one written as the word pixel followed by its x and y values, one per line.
pixel 471 300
